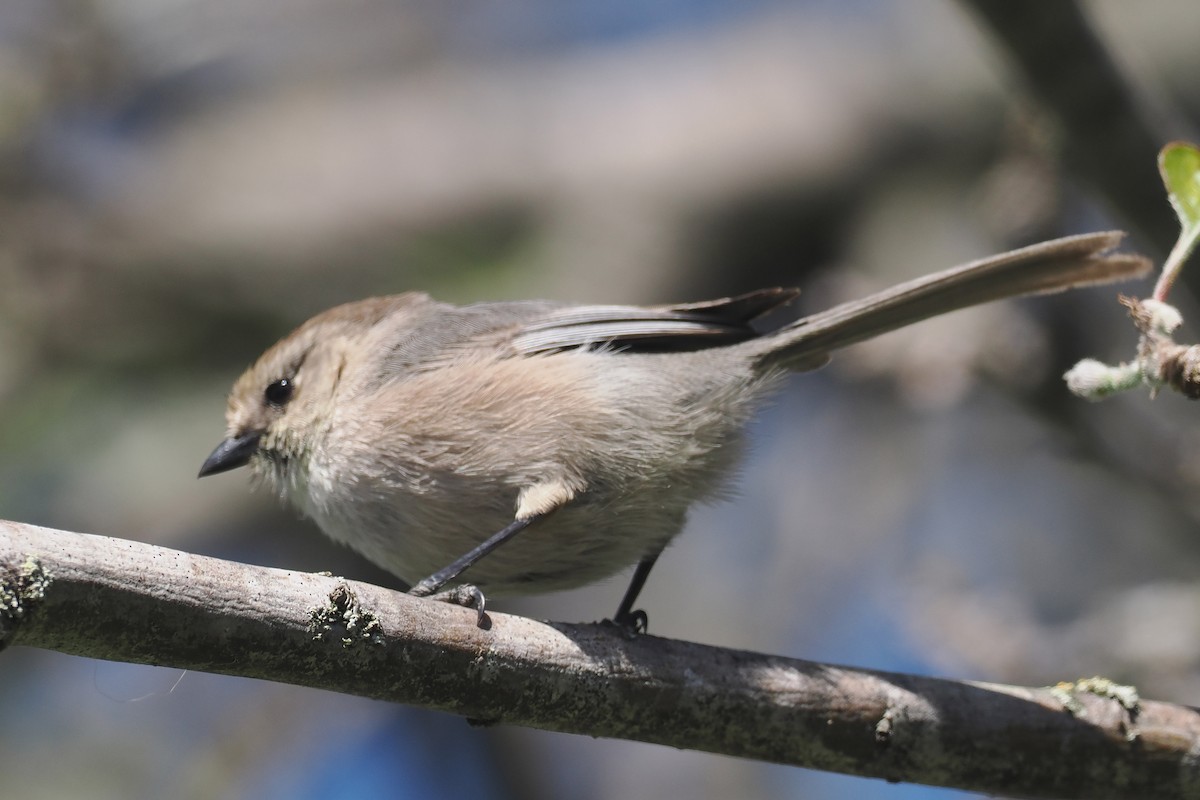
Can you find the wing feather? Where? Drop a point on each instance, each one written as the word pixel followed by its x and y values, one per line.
pixel 446 334
pixel 692 326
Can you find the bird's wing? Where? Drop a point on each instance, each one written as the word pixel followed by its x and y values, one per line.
pixel 447 334
pixel 642 329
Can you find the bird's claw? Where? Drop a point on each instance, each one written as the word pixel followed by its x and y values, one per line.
pixel 631 623
pixel 464 595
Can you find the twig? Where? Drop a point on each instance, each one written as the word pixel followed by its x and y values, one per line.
pixel 122 600
pixel 1160 361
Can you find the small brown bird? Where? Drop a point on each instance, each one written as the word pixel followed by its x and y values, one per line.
pixel 538 446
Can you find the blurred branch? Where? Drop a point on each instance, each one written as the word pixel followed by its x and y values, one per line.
pixel 121 600
pixel 1109 138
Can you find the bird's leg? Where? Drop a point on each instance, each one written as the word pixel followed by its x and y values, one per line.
pixel 536 502
pixel 466 594
pixel 635 621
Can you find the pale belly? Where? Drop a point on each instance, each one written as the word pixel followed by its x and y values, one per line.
pixel 593 538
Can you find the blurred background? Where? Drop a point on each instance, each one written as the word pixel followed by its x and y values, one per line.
pixel 183 182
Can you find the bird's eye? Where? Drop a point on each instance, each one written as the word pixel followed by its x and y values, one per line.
pixel 279 392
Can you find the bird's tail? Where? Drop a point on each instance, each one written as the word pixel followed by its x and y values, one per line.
pixel 1038 269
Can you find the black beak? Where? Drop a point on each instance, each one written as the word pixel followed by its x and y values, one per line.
pixel 230 454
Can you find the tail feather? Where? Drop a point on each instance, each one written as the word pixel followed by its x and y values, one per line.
pixel 1039 269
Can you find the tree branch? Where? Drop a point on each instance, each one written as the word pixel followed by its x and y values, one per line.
pixel 122 600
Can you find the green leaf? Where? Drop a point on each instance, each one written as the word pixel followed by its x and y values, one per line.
pixel 1179 165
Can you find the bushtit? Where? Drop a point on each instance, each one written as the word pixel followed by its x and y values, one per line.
pixel 539 446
